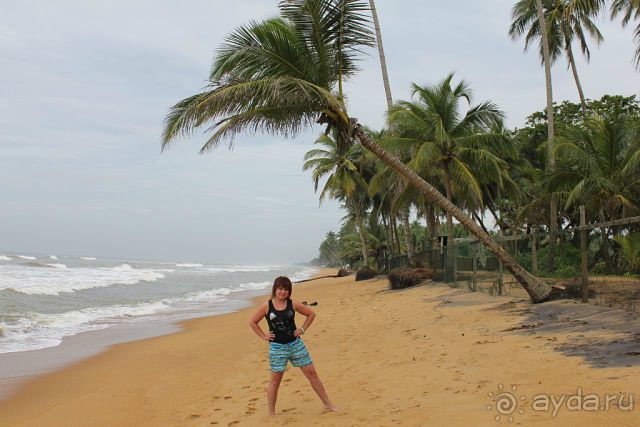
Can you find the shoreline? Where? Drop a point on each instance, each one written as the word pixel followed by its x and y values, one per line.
pixel 17 368
pixel 428 354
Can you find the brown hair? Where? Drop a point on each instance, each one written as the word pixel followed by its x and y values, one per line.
pixel 281 282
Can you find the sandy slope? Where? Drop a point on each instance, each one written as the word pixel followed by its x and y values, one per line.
pixel 429 355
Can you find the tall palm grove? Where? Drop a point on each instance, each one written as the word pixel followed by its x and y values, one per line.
pixel 444 169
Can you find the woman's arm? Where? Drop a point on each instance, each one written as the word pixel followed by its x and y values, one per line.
pixel 305 310
pixel 256 318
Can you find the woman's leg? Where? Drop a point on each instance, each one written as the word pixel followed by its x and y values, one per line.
pixel 309 371
pixel 272 391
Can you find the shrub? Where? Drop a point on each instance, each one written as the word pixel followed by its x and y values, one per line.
pixel 343 272
pixel 366 273
pixel 630 247
pixel 404 277
pixel 567 260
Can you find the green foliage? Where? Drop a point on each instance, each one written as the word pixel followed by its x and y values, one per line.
pixel 567 260
pixel 630 251
pixel 598 164
pixel 463 146
pixel 532 138
pixel 629 10
pixel 279 75
pixel 567 21
pixel 330 251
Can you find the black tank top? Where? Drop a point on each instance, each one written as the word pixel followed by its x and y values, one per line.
pixel 281 322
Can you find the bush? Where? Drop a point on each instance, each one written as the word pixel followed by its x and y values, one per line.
pixel 343 272
pixel 567 261
pixel 366 273
pixel 404 277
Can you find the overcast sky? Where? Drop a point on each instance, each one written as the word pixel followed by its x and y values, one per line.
pixel 84 87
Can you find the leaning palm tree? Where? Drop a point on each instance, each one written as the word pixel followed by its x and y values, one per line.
pixel 458 143
pixel 567 20
pixel 629 9
pixel 284 74
pixel 546 59
pixel 343 180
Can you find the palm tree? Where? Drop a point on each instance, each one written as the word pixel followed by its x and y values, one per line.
pixel 600 165
pixel 457 144
pixel 284 74
pixel 629 9
pixel 404 214
pixel 599 168
pixel 383 61
pixel 567 20
pixel 546 59
pixel 343 180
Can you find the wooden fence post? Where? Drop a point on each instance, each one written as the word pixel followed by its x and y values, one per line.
pixel 474 263
pixel 534 253
pixel 500 279
pixel 583 255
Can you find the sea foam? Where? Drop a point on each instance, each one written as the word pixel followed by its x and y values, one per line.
pixel 57 280
pixel 56 265
pixel 39 331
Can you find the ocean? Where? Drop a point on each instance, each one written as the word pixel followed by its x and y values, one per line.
pixel 47 298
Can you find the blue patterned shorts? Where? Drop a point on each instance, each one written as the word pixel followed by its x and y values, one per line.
pixel 280 354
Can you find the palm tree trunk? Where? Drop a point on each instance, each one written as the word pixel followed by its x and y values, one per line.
pixel 394 223
pixel 432 223
pixel 406 227
pixel 404 215
pixel 383 61
pixel 390 247
pixel 574 70
pixel 553 206
pixel 387 91
pixel 538 290
pixel 480 222
pixel 451 248
pixel 605 244
pixel 363 239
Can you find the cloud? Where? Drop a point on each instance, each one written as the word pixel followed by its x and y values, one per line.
pixel 85 87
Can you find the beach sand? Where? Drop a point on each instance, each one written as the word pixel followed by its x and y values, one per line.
pixel 429 355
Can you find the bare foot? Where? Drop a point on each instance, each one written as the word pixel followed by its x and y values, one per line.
pixel 332 408
pixel 272 414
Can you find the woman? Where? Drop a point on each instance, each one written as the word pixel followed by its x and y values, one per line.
pixel 285 343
